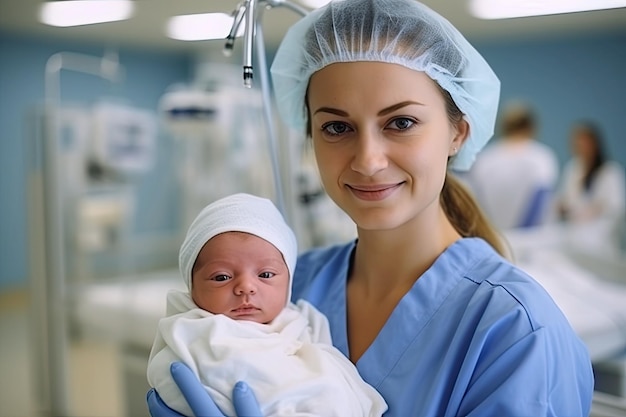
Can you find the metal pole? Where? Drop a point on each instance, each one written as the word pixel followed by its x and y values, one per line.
pixel 49 271
pixel 247 11
pixel 248 45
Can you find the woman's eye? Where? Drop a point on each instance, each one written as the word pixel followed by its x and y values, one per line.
pixel 335 128
pixel 401 123
pixel 220 278
pixel 266 275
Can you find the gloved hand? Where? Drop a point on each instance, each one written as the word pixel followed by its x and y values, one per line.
pixel 199 400
pixel 157 407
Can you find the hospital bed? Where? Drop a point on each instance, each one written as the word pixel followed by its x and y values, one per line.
pixel 589 287
pixel 596 308
pixel 128 309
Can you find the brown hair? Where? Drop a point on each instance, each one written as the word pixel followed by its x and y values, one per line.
pixel 466 215
pixel 518 118
pixel 457 201
pixel 591 132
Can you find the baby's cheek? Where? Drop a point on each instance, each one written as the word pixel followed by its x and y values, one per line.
pixel 202 300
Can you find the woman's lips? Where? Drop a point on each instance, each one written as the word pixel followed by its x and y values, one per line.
pixel 374 192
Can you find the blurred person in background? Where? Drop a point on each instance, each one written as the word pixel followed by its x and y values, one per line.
pixel 592 191
pixel 515 178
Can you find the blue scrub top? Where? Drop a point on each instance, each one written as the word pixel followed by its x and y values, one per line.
pixel 475 336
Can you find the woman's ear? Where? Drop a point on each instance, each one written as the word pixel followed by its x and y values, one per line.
pixel 461 134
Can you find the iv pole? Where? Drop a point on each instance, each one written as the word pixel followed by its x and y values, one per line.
pixel 47 234
pixel 247 12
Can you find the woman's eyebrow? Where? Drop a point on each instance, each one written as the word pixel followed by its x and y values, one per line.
pixel 397 106
pixel 331 110
pixel 383 112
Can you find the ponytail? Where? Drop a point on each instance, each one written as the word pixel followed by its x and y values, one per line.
pixel 467 217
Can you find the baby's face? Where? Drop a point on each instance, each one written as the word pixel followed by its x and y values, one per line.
pixel 242 276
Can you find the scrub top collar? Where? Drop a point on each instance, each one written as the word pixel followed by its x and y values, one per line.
pixel 409 317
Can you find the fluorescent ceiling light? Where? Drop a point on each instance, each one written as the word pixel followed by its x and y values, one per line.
pixel 505 9
pixel 84 12
pixel 201 27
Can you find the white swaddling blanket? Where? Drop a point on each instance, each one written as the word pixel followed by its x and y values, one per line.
pixel 290 363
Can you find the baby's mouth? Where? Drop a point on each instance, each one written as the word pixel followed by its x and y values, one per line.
pixel 245 308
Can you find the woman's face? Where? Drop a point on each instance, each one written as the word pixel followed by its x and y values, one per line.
pixel 382 138
pixel 242 276
pixel 583 146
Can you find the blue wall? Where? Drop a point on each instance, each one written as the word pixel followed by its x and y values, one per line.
pixel 22 64
pixel 564 79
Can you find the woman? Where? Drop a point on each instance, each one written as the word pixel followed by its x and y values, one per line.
pixel 592 197
pixel 422 301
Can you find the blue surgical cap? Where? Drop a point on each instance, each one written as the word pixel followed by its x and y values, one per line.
pixel 403 32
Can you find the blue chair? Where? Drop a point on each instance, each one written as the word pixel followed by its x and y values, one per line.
pixel 537 208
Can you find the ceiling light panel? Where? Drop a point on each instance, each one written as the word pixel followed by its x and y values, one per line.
pixel 201 27
pixel 505 9
pixel 84 12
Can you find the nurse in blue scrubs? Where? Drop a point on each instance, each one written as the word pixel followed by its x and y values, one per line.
pixel 424 301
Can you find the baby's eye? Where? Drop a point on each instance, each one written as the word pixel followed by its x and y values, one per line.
pixel 335 128
pixel 266 275
pixel 220 278
pixel 401 123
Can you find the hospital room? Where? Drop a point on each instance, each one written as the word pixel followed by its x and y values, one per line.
pixel 120 120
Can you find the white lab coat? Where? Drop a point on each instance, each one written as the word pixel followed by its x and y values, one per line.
pixel 595 215
pixel 505 177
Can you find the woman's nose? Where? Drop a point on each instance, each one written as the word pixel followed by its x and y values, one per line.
pixel 245 286
pixel 369 155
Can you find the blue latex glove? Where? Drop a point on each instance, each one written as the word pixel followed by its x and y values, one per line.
pixel 200 402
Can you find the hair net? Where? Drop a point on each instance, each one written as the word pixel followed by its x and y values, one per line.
pixel 239 213
pixel 403 32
